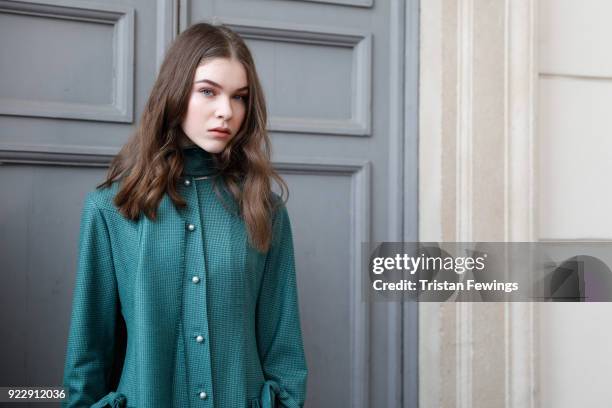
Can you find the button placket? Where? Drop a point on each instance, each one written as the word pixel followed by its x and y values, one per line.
pixel 195 314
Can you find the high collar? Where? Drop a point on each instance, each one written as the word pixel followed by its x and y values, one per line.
pixel 197 161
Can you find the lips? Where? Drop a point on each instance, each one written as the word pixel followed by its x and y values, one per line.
pixel 220 130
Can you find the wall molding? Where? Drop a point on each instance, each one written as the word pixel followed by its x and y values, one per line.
pixel 122 20
pixel 353 3
pixel 404 172
pixel 431 142
pixel 402 335
pixel 521 319
pixel 167 27
pixel 361 87
pixel 450 160
pixel 184 16
pixel 464 209
pixel 57 155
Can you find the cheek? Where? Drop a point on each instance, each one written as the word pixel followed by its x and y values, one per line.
pixel 240 114
pixel 196 110
pixel 190 121
pixel 195 104
pixel 191 107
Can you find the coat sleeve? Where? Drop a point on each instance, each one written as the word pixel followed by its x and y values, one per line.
pixel 279 336
pixel 96 346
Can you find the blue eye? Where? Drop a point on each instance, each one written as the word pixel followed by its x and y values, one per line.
pixel 241 98
pixel 207 92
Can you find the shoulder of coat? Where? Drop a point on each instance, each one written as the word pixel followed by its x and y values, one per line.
pixel 279 209
pixel 103 197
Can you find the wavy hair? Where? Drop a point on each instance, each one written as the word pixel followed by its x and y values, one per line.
pixel 149 165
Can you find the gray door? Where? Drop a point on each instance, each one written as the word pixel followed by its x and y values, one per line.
pixel 334 86
pixel 339 77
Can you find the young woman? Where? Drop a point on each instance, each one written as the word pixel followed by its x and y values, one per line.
pixel 185 293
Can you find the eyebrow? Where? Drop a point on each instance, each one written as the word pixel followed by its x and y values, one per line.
pixel 213 83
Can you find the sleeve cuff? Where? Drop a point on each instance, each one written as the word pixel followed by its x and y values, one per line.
pixel 113 399
pixel 271 391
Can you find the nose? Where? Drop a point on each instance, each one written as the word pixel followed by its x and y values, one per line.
pixel 224 108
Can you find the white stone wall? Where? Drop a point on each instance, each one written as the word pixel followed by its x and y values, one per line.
pixel 574 164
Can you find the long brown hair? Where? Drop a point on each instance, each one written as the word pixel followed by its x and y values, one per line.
pixel 151 162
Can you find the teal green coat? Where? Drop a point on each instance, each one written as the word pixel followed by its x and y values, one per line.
pixel 182 311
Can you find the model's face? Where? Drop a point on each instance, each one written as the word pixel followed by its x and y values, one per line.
pixel 217 105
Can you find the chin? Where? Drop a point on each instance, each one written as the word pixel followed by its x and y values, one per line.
pixel 212 146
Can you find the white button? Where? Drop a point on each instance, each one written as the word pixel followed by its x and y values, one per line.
pixel 187 182
pixel 203 395
pixel 195 279
pixel 191 227
pixel 199 339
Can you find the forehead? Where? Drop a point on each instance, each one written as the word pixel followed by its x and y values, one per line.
pixel 229 73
